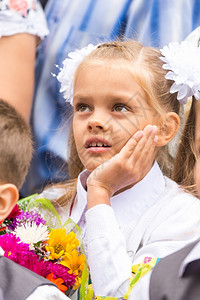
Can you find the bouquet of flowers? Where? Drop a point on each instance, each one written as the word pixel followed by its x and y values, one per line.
pixel 34 238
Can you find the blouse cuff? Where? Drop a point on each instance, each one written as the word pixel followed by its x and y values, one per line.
pixel 16 19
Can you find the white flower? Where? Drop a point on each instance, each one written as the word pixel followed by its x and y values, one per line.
pixel 183 61
pixel 31 233
pixel 66 75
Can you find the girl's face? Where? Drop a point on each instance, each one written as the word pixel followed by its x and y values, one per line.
pixel 197 146
pixel 109 107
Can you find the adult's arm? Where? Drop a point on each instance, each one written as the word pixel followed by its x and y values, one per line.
pixel 17 60
pixel 21 27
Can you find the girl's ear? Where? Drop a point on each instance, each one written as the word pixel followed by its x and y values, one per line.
pixel 169 129
pixel 8 198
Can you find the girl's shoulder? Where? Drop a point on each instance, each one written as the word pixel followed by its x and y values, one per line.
pixel 173 206
pixel 176 193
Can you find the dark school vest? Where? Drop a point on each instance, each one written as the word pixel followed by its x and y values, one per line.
pixel 165 282
pixel 17 282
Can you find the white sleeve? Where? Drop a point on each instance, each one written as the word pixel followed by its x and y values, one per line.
pixel 47 292
pixel 110 266
pixel 22 17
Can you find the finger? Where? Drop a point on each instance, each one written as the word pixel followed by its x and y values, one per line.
pixel 136 143
pixel 131 144
pixel 144 143
pixel 151 131
pixel 147 148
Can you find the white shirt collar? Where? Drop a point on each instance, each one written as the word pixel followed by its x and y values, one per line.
pixel 192 256
pixel 128 205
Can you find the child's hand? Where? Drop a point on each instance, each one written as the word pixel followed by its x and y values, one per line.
pixel 126 168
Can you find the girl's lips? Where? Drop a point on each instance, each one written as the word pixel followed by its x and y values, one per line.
pixel 98 149
pixel 97 145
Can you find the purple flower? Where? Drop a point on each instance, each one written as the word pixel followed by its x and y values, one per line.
pixel 12 225
pixel 24 217
pixel 60 271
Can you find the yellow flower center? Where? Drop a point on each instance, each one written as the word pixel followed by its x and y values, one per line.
pixel 58 248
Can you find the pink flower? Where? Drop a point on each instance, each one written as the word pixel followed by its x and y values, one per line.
pixel 31 261
pixel 19 252
pixel 60 271
pixel 19 5
pixel 13 246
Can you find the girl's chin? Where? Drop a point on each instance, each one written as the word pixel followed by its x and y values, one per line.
pixel 93 167
pixel 92 163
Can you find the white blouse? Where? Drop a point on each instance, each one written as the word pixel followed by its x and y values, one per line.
pixel 153 218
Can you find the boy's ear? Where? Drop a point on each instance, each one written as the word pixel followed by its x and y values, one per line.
pixel 8 198
pixel 169 129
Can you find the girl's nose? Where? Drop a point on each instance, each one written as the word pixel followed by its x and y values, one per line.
pixel 97 125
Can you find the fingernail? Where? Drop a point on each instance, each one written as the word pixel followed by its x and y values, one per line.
pixel 148 128
pixel 138 134
pixel 155 128
pixel 155 139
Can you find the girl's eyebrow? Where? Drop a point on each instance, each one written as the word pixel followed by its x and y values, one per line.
pixel 119 97
pixel 80 97
pixel 112 98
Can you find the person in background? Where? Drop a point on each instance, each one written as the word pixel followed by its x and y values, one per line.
pixel 17 282
pixel 73 25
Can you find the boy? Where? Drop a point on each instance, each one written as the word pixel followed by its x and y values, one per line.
pixel 17 282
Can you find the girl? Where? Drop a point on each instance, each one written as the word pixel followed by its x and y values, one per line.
pixel 124 205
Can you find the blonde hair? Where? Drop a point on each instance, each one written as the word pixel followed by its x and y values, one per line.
pixel 146 67
pixel 183 172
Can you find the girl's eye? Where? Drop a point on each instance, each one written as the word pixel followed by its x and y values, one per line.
pixel 82 108
pixel 120 108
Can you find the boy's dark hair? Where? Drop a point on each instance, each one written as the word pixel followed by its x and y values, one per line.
pixel 15 146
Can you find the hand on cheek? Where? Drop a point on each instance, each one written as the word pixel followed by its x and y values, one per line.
pixel 126 168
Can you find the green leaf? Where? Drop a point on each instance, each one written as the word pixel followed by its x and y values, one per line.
pixel 47 211
pixel 84 284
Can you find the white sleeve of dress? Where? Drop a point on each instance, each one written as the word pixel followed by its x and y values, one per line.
pixel 25 16
pixel 47 292
pixel 109 263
